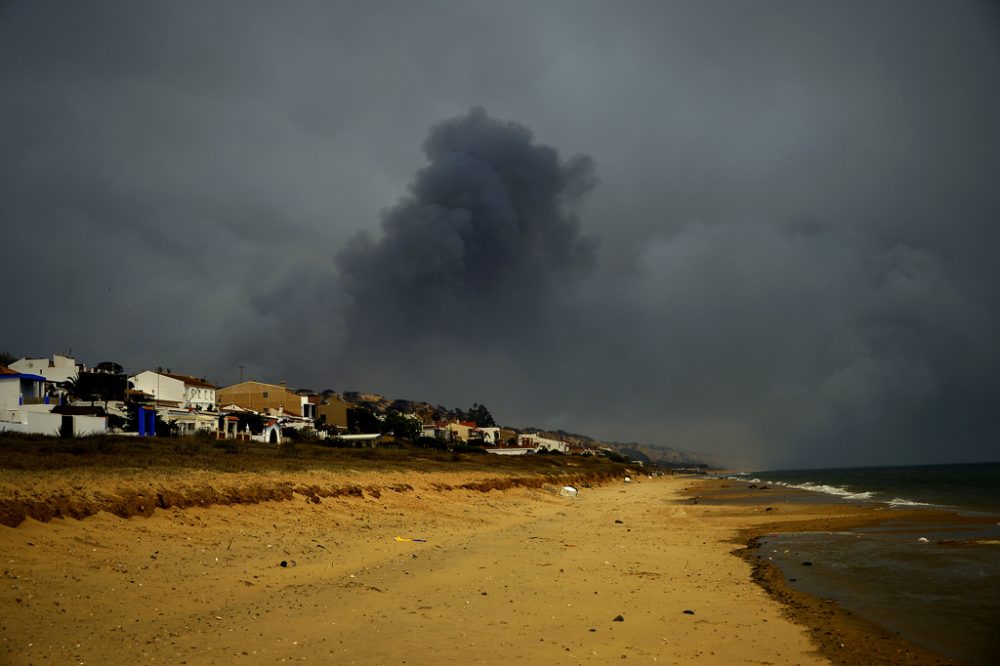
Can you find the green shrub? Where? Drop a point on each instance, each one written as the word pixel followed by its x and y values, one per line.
pixel 430 443
pixel 228 445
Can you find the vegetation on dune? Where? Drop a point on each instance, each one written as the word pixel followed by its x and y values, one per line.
pixel 38 452
pixel 105 456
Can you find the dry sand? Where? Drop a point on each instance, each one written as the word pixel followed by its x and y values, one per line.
pixel 521 575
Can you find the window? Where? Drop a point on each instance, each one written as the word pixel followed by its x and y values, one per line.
pixel 263 394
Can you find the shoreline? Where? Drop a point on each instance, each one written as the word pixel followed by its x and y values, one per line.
pixel 841 635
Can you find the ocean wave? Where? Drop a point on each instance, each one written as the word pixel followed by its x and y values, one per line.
pixel 838 491
pixel 899 501
pixel 743 477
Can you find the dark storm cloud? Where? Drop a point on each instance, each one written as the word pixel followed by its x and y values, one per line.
pixel 789 258
pixel 741 337
pixel 487 236
pixel 753 337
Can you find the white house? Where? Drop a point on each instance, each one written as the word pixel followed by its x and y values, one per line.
pixel 538 442
pixel 57 370
pixel 436 430
pixel 271 433
pixel 25 408
pixel 184 390
pixel 491 436
pixel 162 387
pixel 198 393
pixel 18 390
pixel 190 421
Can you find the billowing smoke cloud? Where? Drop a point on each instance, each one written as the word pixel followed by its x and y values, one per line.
pixel 487 237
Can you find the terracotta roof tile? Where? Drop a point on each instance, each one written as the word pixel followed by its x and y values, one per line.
pixel 188 379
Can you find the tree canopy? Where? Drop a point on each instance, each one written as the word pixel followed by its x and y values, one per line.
pixel 481 415
pixel 98 386
pixel 401 425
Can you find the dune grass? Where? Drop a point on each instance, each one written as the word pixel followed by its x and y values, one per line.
pixel 37 453
pixel 47 477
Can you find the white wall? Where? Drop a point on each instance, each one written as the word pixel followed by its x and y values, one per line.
pixel 10 391
pixel 89 425
pixel 543 443
pixel 60 369
pixel 40 422
pixel 199 397
pixel 490 435
pixel 265 436
pixel 189 423
pixel 159 386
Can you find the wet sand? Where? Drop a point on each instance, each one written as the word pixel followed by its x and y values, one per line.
pixel 842 636
pixel 519 575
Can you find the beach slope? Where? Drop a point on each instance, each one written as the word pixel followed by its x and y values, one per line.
pixel 623 571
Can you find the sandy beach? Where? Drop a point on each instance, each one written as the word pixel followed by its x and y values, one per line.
pixel 419 573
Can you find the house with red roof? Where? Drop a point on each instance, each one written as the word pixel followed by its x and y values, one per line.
pixel 176 390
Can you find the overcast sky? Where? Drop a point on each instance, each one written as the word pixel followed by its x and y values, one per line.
pixel 765 231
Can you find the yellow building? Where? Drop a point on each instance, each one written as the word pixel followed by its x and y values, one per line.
pixel 261 397
pixel 332 411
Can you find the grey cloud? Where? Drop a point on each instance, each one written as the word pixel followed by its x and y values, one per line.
pixel 796 212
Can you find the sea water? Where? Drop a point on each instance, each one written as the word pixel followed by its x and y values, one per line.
pixel 938 585
pixel 971 487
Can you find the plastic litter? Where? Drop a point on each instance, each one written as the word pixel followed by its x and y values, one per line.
pixel 407 539
pixel 568 491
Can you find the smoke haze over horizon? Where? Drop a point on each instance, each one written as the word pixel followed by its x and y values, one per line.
pixel 765 231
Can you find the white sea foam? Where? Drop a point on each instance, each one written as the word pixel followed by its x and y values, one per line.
pixel 744 477
pixel 899 501
pixel 838 491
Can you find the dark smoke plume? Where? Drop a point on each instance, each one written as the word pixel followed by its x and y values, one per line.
pixel 488 235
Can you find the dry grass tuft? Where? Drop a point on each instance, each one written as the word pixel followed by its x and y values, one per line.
pixel 50 478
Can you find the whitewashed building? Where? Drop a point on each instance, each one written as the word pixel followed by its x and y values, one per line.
pixel 191 421
pixel 56 370
pixel 24 408
pixel 490 436
pixel 160 386
pixel 184 390
pixel 538 442
pixel 17 391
